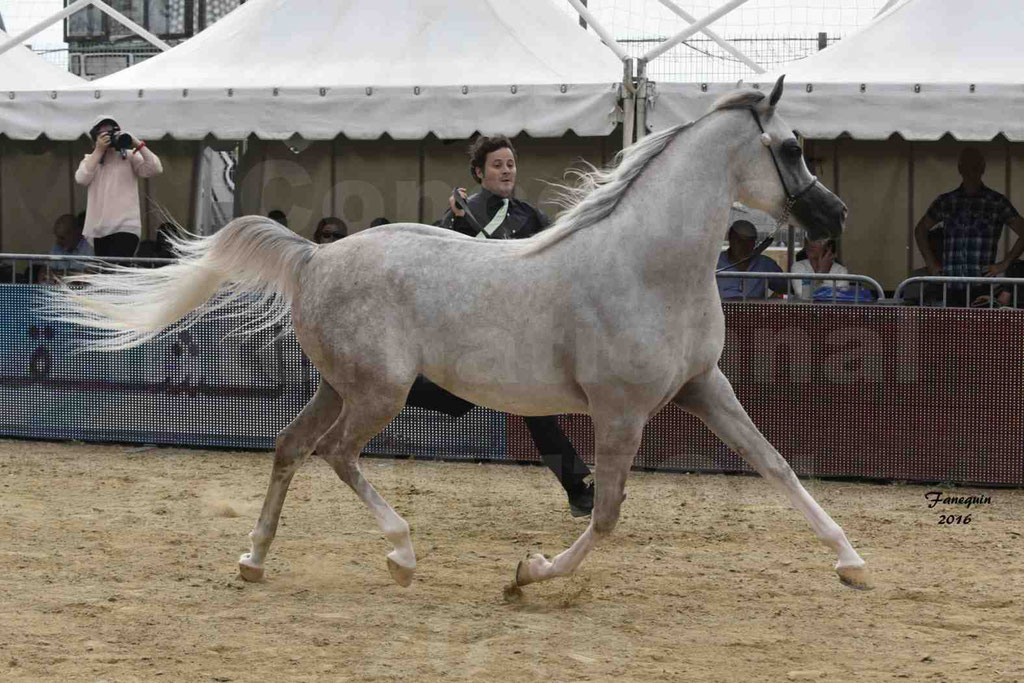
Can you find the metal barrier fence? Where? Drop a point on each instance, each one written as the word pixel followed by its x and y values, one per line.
pixel 930 286
pixel 847 391
pixel 862 290
pixel 41 268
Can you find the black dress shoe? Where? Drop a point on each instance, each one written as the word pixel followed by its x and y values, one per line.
pixel 581 502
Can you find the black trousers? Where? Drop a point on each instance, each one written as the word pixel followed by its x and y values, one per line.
pixel 116 244
pixel 556 451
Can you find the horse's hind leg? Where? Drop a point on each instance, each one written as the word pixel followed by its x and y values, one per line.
pixel 710 397
pixel 294 443
pixel 616 443
pixel 362 419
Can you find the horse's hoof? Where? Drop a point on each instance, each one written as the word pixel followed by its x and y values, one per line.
pixel 529 570
pixel 248 570
pixel 523 574
pixel 855 577
pixel 401 575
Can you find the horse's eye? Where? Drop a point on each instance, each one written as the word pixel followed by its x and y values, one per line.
pixel 792 152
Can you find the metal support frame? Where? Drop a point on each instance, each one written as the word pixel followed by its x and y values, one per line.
pixel 695 27
pixel 885 8
pixel 75 7
pixel 600 30
pixel 629 104
pixel 858 282
pixel 722 42
pixel 642 93
pixel 980 282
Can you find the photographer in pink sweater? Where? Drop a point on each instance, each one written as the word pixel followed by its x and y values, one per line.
pixel 111 171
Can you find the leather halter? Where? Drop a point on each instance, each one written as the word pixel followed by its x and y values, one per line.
pixel 791 200
pixel 791 197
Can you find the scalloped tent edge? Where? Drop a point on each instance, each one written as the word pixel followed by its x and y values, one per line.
pixel 247 72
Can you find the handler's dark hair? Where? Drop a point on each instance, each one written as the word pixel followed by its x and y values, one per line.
pixel 326 222
pixel 483 146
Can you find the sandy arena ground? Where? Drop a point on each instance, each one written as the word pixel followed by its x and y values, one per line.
pixel 118 564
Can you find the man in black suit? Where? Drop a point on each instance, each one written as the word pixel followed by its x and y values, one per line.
pixel 496 214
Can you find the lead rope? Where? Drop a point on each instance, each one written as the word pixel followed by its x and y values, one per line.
pixel 767 241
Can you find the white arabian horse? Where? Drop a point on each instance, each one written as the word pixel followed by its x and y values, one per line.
pixel 614 312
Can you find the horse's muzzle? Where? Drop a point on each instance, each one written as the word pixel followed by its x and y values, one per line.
pixel 820 212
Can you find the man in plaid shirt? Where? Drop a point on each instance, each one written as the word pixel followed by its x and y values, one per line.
pixel 973 216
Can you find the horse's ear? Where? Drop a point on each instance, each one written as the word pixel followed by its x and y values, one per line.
pixel 776 92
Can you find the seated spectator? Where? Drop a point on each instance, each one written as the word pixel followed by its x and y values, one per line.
pixel 330 229
pixel 380 220
pixel 931 292
pixel 740 257
pixel 819 257
pixel 279 216
pixel 68 241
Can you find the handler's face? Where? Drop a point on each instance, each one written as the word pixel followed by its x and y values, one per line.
pixel 499 172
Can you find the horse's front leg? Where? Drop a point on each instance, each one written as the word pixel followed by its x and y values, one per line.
pixel 711 398
pixel 615 444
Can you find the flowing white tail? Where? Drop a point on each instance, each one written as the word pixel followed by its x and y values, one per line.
pixel 125 307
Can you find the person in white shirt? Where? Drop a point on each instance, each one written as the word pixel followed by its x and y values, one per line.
pixel 113 221
pixel 821 258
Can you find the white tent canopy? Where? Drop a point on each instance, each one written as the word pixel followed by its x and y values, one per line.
pixel 319 68
pixel 923 69
pixel 21 69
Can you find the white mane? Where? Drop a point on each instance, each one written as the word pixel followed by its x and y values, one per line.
pixel 598 191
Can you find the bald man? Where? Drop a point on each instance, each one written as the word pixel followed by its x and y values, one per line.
pixel 973 216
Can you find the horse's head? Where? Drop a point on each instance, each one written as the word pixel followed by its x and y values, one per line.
pixel 777 180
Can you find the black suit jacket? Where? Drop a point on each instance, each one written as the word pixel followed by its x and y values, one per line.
pixel 522 220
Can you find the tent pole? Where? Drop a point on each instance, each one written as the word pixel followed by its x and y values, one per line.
pixel 138 30
pixel 911 214
pixel 600 30
pixel 193 195
pixel 71 178
pixel 695 27
pixel 334 175
pixel 1008 178
pixel 628 104
pixel 722 42
pixel 75 7
pixel 885 8
pixel 3 149
pixel 45 23
pixel 641 99
pixel 421 177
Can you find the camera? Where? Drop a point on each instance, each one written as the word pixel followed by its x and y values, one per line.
pixel 121 142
